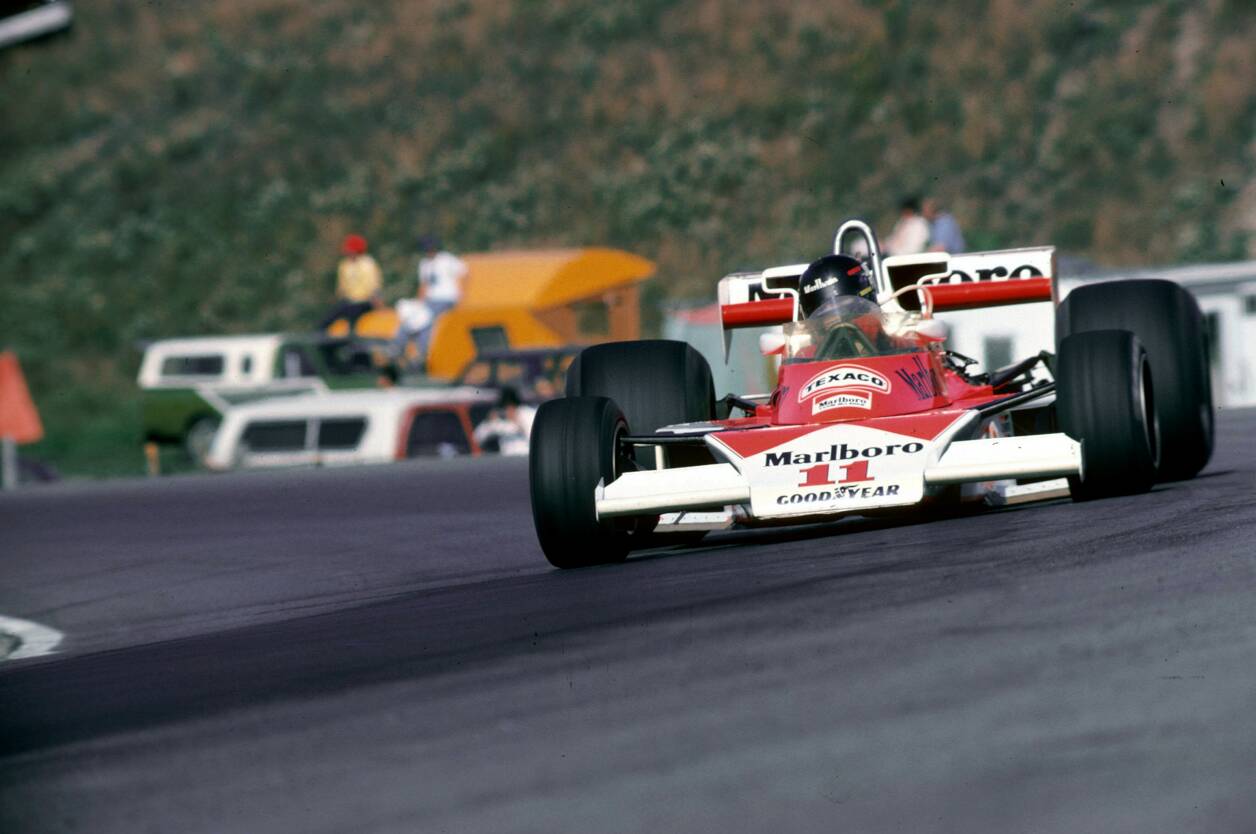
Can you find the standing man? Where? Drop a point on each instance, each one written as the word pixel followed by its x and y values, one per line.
pixel 358 283
pixel 910 234
pixel 440 286
pixel 944 231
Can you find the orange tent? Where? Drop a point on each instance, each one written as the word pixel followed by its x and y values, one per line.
pixel 19 419
pixel 531 298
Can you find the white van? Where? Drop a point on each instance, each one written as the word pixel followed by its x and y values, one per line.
pixel 350 427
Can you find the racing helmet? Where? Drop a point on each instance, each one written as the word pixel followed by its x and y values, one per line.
pixel 830 279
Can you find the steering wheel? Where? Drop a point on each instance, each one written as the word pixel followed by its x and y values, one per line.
pixel 845 341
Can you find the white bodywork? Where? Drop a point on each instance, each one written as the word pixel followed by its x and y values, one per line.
pixel 839 468
pixel 385 414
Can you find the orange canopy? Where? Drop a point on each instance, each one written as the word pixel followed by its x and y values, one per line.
pixel 528 294
pixel 536 280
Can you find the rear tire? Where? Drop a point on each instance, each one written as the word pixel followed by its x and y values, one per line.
pixel 1167 321
pixel 1105 400
pixel 574 445
pixel 656 382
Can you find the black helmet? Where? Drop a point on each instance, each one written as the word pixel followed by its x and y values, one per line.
pixel 830 278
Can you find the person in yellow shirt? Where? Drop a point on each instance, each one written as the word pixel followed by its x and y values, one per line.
pixel 358 283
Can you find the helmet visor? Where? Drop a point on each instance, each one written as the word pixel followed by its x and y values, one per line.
pixel 840 309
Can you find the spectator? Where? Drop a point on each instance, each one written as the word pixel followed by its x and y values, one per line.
pixel 911 232
pixel 508 427
pixel 944 231
pixel 358 283
pixel 414 319
pixel 440 289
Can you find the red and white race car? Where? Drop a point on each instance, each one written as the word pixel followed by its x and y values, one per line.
pixel 870 412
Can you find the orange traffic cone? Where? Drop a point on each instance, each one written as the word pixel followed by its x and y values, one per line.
pixel 19 419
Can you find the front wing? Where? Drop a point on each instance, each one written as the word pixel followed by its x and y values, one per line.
pixel 833 469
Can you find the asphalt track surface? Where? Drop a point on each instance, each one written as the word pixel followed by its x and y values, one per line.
pixel 384 649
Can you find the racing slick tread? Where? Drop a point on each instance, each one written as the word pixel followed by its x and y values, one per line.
pixel 1105 400
pixel 1167 321
pixel 573 446
pixel 657 382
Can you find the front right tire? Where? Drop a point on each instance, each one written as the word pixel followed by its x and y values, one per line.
pixel 1168 323
pixel 1105 400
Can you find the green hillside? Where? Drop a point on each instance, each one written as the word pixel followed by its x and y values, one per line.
pixel 179 168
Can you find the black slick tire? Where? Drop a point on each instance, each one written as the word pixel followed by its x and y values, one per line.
pixel 574 445
pixel 1105 399
pixel 1168 322
pixel 656 382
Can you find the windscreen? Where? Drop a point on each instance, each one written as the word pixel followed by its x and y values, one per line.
pixel 848 328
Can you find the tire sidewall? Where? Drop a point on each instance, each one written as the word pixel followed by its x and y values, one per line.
pixel 1105 400
pixel 574 446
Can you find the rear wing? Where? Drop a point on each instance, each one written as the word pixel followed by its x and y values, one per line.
pixel 758 299
pixel 952 282
pixel 968 281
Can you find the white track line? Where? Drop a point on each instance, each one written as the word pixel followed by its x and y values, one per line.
pixel 34 639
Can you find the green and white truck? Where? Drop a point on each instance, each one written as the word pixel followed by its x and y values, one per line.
pixel 187 384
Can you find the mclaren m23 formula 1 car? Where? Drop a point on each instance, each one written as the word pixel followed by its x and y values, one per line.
pixel 870 413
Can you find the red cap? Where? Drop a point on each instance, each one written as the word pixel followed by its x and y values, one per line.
pixel 354 245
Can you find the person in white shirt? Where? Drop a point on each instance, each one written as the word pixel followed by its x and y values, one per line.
pixel 510 425
pixel 910 234
pixel 441 274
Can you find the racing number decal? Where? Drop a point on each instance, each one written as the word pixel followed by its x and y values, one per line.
pixel 856 472
pixel 818 475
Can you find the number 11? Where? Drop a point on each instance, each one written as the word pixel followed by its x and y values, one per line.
pixel 818 475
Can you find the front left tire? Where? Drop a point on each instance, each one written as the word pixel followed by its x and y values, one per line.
pixel 575 445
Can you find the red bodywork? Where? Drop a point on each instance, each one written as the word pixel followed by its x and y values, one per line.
pixel 856 389
pixel 903 393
